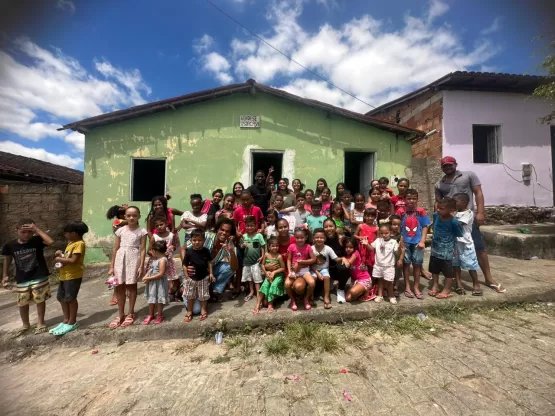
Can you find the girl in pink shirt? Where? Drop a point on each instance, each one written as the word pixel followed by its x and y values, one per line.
pixel 299 258
pixel 359 272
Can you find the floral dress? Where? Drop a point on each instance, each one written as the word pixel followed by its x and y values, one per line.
pixel 128 257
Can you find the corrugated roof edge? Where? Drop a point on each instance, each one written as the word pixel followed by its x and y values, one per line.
pixel 83 126
pixel 437 83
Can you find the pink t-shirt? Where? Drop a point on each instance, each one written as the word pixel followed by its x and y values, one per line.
pixel 241 213
pixel 299 254
pixel 356 272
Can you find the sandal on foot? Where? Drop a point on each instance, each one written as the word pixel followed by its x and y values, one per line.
pixel 477 292
pixel 497 288
pixel 432 293
pixel 460 291
pixel 113 302
pixel 327 305
pixel 20 332
pixel 148 319
pixel 57 327
pixel 188 318
pixel 203 316
pixel 294 307
pixel 419 296
pixel 248 297
pixel 129 320
pixel 444 295
pixel 307 306
pixel 409 294
pixel 271 309
pixel 159 319
pixel 40 329
pixel 115 323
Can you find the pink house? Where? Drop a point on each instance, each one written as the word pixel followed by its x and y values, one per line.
pixel 488 122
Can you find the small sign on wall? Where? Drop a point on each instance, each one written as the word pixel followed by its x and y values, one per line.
pixel 249 122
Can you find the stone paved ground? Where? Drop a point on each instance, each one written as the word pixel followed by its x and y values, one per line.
pixel 493 364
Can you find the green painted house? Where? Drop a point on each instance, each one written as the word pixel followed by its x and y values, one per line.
pixel 210 139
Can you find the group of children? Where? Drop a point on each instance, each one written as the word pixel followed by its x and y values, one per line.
pixel 286 252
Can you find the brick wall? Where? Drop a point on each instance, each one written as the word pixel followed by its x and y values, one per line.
pixel 51 206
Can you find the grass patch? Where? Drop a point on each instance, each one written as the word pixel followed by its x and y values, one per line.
pixel 221 359
pixel 303 337
pixel 196 359
pixel 276 346
pixel 449 312
pixel 233 342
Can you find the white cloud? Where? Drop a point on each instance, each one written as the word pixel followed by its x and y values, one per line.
pixel 218 66
pixel 76 139
pixel 41 154
pixel 43 89
pixel 202 44
pixel 66 5
pixel 364 56
pixel 494 27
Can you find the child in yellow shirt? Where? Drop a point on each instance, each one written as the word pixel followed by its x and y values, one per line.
pixel 70 263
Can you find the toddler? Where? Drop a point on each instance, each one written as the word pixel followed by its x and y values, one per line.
pixel 395 228
pixel 253 246
pixel 273 286
pixel 156 290
pixel 387 193
pixel 386 248
pixel 172 242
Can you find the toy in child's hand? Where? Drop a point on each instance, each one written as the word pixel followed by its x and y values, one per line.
pixel 112 281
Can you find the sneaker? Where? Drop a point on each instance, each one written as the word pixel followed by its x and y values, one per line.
pixel 378 299
pixel 340 296
pixel 393 300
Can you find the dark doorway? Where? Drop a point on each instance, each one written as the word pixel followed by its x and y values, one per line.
pixel 553 160
pixel 264 160
pixel 148 179
pixel 359 171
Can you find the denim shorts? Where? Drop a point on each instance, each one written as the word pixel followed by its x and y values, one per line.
pixel 465 257
pixel 223 272
pixel 477 238
pixel 413 254
pixel 324 272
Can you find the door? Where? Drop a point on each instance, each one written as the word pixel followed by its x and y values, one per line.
pixel 366 169
pixel 359 171
pixel 263 161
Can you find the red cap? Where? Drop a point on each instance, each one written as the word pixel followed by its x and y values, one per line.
pixel 448 160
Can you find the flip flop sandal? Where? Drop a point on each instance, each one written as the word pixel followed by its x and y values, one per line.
pixel 477 293
pixel 444 296
pixel 419 296
pixel 40 329
pixel 148 319
pixel 188 318
pixel 432 293
pixel 460 291
pixel 128 321
pixel 497 288
pixel 409 294
pixel 56 328
pixel 115 323
pixel 20 332
pixel 159 319
pixel 113 302
pixel 203 317
pixel 247 298
pixel 327 305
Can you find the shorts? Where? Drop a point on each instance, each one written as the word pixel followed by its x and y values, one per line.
pixel 68 289
pixel 465 257
pixel 252 273
pixel 386 273
pixel 477 238
pixel 38 293
pixel 438 266
pixel 302 272
pixel 367 283
pixel 324 272
pixel 197 289
pixel 413 254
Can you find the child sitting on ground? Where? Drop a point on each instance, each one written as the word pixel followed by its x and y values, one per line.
pixel 316 219
pixel 386 248
pixel 71 275
pixel 253 246
pixel 414 228
pixel 273 286
pixel 156 290
pixel 361 280
pixel 446 230
pixel 320 269
pixel 299 259
pixel 465 252
pixel 31 272
pixel 197 284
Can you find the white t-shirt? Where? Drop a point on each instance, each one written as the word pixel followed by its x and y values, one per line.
pixel 188 215
pixel 385 251
pixel 270 231
pixel 466 218
pixel 323 257
pixel 290 220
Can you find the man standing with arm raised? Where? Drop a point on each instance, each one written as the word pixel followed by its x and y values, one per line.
pixel 454 182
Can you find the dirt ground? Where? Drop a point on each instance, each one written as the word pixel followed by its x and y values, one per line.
pixel 497 362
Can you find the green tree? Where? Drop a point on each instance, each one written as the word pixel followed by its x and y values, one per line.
pixel 547 91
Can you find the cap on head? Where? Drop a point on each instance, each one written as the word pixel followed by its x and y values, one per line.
pixel 448 160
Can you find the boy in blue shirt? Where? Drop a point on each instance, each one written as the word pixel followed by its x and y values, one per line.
pixel 316 220
pixel 414 228
pixel 446 230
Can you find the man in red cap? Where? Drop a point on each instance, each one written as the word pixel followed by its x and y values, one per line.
pixel 455 182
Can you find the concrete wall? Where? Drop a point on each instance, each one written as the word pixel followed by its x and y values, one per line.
pixel 51 206
pixel 206 149
pixel 523 141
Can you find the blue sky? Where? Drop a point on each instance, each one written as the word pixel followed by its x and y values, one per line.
pixel 83 58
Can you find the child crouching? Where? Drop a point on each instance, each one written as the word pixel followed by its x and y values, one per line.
pixel 157 286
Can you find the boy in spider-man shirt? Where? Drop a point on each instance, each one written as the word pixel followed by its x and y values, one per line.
pixel 414 228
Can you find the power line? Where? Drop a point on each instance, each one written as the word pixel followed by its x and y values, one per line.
pixel 287 56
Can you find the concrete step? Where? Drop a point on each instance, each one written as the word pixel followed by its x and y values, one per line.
pixel 507 241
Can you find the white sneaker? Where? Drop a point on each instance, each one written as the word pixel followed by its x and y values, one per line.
pixel 340 296
pixel 378 299
pixel 393 300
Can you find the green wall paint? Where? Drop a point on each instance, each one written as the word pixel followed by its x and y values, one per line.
pixel 205 150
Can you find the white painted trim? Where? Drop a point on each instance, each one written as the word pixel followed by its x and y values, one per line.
pixel 287 168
